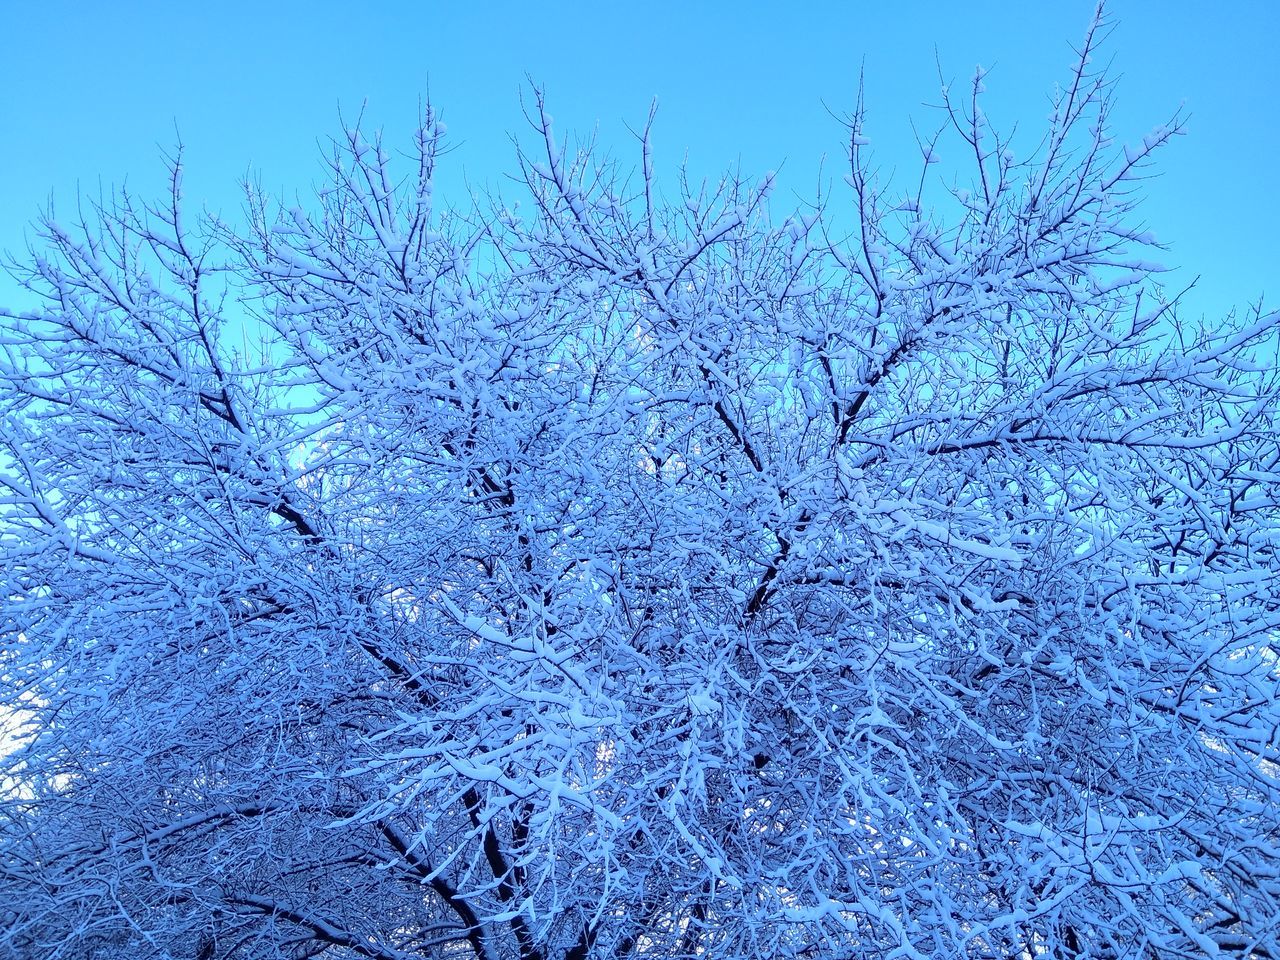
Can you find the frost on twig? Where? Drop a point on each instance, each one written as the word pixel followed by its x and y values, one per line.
pixel 620 576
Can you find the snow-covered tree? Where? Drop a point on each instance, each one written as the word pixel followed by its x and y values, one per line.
pixel 616 576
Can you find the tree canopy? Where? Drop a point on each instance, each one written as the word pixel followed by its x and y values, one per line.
pixel 637 572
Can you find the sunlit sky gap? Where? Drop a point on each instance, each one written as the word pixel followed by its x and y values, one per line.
pixel 93 93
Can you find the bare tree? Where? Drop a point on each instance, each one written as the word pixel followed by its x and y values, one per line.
pixel 640 578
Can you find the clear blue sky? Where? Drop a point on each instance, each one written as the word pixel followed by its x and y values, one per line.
pixel 92 93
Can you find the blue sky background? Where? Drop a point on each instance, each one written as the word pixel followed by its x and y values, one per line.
pixel 93 92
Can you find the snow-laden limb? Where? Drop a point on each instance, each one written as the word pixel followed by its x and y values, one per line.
pixel 640 579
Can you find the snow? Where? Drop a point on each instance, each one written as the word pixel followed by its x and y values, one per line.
pixel 653 573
